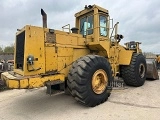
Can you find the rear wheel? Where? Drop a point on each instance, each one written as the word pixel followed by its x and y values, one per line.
pixel 135 73
pixel 89 80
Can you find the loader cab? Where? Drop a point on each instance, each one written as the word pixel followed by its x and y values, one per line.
pixel 93 22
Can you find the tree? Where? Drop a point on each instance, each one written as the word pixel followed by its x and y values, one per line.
pixel 9 49
pixel 1 50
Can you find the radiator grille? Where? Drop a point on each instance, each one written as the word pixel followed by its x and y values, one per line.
pixel 20 43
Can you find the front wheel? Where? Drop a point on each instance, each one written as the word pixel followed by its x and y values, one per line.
pixel 89 80
pixel 135 73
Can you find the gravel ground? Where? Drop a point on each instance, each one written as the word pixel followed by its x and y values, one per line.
pixel 141 103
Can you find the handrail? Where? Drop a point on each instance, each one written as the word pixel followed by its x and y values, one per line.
pixel 65 27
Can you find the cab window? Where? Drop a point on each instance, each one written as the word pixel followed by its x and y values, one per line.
pixel 103 25
pixel 86 25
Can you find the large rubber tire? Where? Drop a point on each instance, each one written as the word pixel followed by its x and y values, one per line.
pixel 135 73
pixel 81 76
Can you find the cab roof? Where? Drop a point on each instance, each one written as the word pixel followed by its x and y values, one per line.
pixel 90 8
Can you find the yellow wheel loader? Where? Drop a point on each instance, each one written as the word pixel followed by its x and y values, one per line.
pixel 83 60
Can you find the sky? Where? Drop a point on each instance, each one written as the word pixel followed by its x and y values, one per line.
pixel 139 20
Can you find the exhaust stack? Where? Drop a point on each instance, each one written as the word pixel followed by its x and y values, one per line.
pixel 44 18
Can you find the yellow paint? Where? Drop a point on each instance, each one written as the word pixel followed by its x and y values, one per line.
pixel 29 81
pixel 125 57
pixel 13 83
pixel 23 83
pixel 51 59
pixel 99 81
pixel 77 53
pixel 65 51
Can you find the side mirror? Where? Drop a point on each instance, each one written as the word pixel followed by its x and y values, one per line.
pixel 119 37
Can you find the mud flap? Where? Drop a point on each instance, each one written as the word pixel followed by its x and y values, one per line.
pixel 152 72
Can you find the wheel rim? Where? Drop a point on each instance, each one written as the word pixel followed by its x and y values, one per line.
pixel 141 70
pixel 99 81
